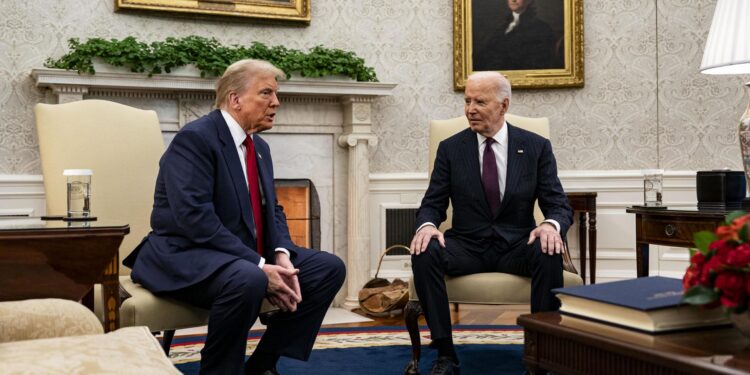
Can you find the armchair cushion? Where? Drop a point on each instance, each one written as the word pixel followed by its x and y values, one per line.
pixel 42 318
pixel 131 350
pixel 158 313
pixel 55 336
pixel 492 288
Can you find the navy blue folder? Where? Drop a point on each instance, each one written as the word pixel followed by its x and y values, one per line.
pixel 645 293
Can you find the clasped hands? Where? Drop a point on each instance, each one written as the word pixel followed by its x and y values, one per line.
pixel 283 285
pixel 546 232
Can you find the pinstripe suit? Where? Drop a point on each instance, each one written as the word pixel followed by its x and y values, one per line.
pixel 479 241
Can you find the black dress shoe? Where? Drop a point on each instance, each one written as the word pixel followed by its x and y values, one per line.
pixel 445 366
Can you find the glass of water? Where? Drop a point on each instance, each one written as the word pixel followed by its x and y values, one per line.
pixel 652 187
pixel 79 192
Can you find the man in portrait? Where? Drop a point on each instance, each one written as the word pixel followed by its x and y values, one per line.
pixel 521 41
pixel 220 239
pixel 491 173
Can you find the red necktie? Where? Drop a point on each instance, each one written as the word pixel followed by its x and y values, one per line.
pixel 252 181
pixel 490 178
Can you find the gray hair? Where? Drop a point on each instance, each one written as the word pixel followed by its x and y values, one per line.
pixel 501 83
pixel 238 75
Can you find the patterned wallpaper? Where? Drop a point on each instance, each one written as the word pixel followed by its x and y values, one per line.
pixel 644 103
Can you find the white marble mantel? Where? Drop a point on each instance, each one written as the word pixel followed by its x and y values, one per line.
pixel 330 119
pixel 58 79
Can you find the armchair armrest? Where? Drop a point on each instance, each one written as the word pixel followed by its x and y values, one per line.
pixel 42 318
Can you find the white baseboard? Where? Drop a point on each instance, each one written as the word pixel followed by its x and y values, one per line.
pixel 616 190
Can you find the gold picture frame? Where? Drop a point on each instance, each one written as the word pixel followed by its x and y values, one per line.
pixel 561 65
pixel 287 10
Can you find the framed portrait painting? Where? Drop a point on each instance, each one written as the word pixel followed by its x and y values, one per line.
pixel 288 10
pixel 535 43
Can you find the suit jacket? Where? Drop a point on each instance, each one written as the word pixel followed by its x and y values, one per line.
pixel 531 175
pixel 202 218
pixel 530 45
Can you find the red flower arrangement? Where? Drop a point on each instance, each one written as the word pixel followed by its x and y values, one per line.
pixel 719 271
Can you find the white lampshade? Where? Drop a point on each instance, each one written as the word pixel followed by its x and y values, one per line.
pixel 728 45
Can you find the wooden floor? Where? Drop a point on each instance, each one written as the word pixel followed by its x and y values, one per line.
pixel 467 314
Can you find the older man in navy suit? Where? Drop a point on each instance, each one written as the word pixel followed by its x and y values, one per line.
pixel 492 173
pixel 220 239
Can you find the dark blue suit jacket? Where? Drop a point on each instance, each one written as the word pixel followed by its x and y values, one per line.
pixel 202 219
pixel 531 175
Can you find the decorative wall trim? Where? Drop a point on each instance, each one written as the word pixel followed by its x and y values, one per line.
pixel 208 96
pixel 21 195
pixel 44 77
pixel 616 228
pixel 24 194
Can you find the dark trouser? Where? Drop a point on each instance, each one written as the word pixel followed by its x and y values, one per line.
pixel 234 294
pixel 456 259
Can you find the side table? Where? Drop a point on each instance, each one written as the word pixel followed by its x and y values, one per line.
pixel 56 259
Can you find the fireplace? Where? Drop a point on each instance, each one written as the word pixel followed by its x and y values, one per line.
pixel 302 209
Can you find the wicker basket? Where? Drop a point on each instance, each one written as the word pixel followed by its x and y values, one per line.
pixel 380 297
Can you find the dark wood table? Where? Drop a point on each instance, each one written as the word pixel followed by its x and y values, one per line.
pixel 584 204
pixel 669 227
pixel 567 345
pixel 56 259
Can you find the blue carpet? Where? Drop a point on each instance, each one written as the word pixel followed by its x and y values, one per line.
pixel 500 358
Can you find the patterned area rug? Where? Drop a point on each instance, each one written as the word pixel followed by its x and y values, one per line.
pixel 382 350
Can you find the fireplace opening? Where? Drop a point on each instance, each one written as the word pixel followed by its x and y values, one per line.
pixel 302 208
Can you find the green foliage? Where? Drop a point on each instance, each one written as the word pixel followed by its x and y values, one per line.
pixel 208 55
pixel 700 295
pixel 718 274
pixel 702 239
pixel 733 215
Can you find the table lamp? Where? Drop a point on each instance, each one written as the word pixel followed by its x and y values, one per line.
pixel 728 52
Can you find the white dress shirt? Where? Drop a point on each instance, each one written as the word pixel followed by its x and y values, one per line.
pixel 238 136
pixel 500 148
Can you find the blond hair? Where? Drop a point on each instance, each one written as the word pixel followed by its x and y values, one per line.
pixel 238 76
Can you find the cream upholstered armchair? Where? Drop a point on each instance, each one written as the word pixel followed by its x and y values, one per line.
pixel 55 336
pixel 122 145
pixel 493 288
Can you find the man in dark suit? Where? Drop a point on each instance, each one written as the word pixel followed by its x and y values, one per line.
pixel 220 240
pixel 492 173
pixel 521 41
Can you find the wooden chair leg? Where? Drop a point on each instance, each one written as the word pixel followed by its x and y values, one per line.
pixel 412 311
pixel 455 307
pixel 166 342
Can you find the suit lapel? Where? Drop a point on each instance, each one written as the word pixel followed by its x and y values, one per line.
pixel 232 160
pixel 513 170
